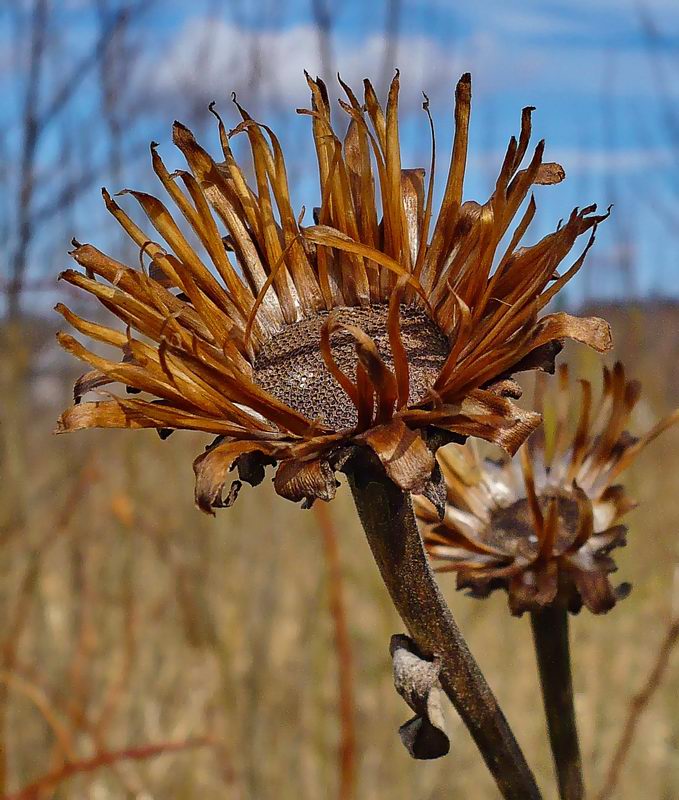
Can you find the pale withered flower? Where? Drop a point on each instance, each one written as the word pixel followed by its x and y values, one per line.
pixel 374 327
pixel 542 526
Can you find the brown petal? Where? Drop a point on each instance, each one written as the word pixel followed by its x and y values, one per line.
pixel 479 587
pixel 520 423
pixel 541 358
pixel 306 480
pixel 581 440
pixel 126 413
pixel 507 387
pixel 94 379
pixel 252 466
pixel 381 377
pixel 585 520
pixel 100 414
pixel 602 543
pixel 401 367
pixel 412 190
pixel 211 469
pixel 632 452
pixel 406 458
pixel 521 594
pixel 502 422
pixel 452 196
pixel 595 590
pixel 592 331
pixel 616 501
pixel 547 583
pixel 331 237
pixel 329 326
pixel 536 514
pixel 549 173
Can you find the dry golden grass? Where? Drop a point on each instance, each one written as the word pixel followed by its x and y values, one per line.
pixel 130 619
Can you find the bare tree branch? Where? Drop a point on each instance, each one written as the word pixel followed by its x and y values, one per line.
pixel 392 24
pixel 323 19
pixel 30 135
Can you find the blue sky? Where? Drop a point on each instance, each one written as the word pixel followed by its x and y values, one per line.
pixel 602 75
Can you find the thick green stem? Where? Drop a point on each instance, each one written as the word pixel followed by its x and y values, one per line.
pixel 387 517
pixel 550 634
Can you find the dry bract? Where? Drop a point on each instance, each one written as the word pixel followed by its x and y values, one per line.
pixel 376 326
pixel 542 526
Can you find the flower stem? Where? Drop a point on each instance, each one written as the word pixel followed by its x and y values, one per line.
pixel 389 523
pixel 550 635
pixel 345 658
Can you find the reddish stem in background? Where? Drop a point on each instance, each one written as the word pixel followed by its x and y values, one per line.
pixel 636 708
pixel 25 593
pixel 52 779
pixel 347 745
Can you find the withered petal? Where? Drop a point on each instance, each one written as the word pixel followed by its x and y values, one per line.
pixel 87 382
pixel 306 480
pixel 404 455
pixel 595 589
pixel 592 331
pixel 416 680
pixel 212 467
pixel 549 173
pixel 252 466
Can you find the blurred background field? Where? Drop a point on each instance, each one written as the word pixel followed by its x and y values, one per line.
pixel 128 620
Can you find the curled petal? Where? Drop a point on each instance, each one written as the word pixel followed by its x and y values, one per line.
pixel 596 590
pixel 592 331
pixel 212 467
pixel 306 480
pixel 417 681
pixel 94 379
pixel 549 173
pixel 381 377
pixel 406 458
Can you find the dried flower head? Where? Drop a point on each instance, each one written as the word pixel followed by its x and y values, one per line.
pixel 373 327
pixel 542 526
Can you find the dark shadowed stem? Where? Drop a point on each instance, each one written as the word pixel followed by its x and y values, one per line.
pixel 347 744
pixel 550 635
pixel 636 708
pixel 387 517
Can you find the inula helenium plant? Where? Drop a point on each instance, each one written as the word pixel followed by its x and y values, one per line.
pixel 358 341
pixel 376 326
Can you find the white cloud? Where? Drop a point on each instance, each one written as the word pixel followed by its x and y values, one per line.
pixel 530 21
pixel 210 58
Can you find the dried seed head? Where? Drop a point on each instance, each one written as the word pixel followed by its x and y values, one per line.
pixel 542 527
pixel 257 336
pixel 512 527
pixel 290 365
